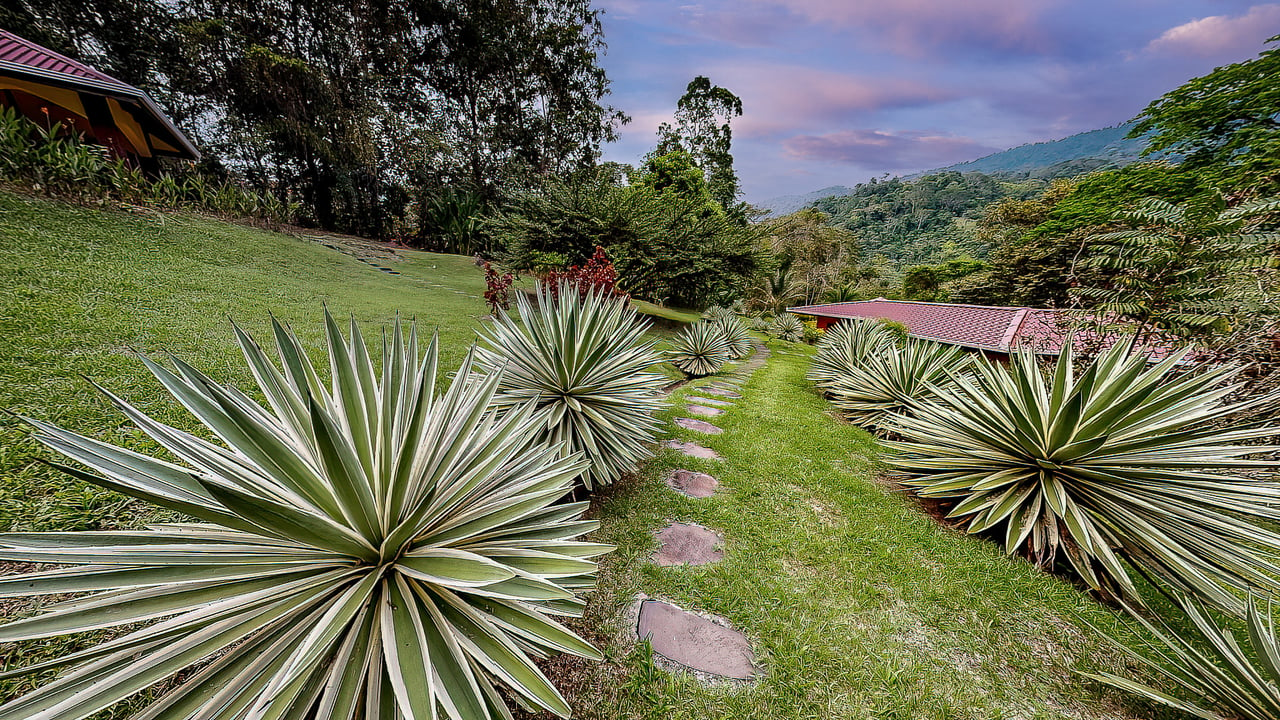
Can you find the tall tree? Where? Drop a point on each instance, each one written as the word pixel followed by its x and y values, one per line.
pixel 1226 124
pixel 703 115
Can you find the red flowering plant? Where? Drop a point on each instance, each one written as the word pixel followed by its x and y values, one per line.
pixel 497 288
pixel 597 274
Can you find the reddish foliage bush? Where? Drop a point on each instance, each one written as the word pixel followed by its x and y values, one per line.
pixel 597 274
pixel 497 289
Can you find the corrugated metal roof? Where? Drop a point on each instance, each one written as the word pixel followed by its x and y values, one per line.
pixel 984 327
pixel 24 52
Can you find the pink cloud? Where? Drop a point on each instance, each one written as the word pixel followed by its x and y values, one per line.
pixel 922 27
pixel 902 150
pixel 787 98
pixel 1220 35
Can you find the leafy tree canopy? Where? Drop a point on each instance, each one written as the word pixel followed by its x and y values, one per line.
pixel 1226 123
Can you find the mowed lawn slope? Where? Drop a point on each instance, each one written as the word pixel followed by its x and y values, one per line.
pixel 81 290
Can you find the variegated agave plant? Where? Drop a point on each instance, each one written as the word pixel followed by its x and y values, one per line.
pixel 700 350
pixel 717 313
pixel 736 335
pixel 844 347
pixel 581 363
pixel 365 549
pixel 894 380
pixel 787 327
pixel 1119 463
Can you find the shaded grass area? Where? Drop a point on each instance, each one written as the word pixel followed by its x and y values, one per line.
pixel 858 604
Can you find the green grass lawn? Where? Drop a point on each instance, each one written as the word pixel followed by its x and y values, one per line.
pixel 859 604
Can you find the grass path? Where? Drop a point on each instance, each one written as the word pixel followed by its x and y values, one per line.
pixel 859 605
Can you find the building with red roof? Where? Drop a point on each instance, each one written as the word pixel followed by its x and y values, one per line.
pixel 986 328
pixel 50 88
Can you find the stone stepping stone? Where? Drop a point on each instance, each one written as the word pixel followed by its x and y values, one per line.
pixel 709 401
pixel 720 392
pixel 701 426
pixel 706 645
pixel 704 411
pixel 692 449
pixel 692 484
pixel 687 544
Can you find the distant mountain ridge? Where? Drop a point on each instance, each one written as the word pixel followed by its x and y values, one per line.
pixel 1066 157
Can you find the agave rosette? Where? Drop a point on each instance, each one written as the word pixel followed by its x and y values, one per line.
pixel 895 380
pixel 700 350
pixel 843 348
pixel 361 549
pixel 787 327
pixel 1121 463
pixel 581 362
pixel 736 335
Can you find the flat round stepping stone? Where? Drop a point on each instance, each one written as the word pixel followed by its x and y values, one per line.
pixel 687 544
pixel 701 426
pixel 692 449
pixel 708 645
pixel 705 411
pixel 693 484
pixel 709 401
pixel 720 392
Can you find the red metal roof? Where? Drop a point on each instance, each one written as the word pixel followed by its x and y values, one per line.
pixel 24 52
pixel 985 327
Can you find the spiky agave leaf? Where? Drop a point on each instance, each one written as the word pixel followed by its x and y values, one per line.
pixel 1120 463
pixel 580 362
pixel 1212 666
pixel 893 380
pixel 362 549
pixel 717 313
pixel 700 350
pixel 736 335
pixel 760 323
pixel 843 347
pixel 787 327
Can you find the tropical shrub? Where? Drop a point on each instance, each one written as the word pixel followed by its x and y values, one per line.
pixel 366 548
pixel 1119 463
pixel 579 363
pixel 787 327
pixel 894 381
pixel 597 275
pixel 811 331
pixel 702 349
pixel 451 220
pixel 760 323
pixel 736 335
pixel 497 289
pixel 1212 667
pixel 843 348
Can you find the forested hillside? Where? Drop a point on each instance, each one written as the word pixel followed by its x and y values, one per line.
pixel 918 221
pixel 1082 152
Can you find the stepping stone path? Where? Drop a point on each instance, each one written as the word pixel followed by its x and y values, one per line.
pixel 692 484
pixel 720 391
pixel 704 644
pixel 705 411
pixel 701 426
pixel 709 401
pixel 692 449
pixel 687 544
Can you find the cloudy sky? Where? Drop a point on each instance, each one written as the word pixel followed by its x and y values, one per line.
pixel 839 91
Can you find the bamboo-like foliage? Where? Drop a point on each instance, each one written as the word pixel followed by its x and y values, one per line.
pixel 581 362
pixel 1122 462
pixel 787 327
pixel 736 335
pixel 1212 666
pixel 700 350
pixel 843 348
pixel 362 549
pixel 895 380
